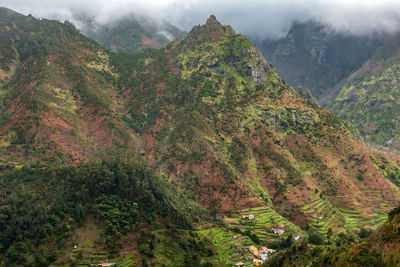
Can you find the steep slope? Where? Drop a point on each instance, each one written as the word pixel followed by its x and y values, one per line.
pixel 208 113
pixel 217 118
pixel 315 57
pixel 132 33
pixel 57 95
pixel 370 96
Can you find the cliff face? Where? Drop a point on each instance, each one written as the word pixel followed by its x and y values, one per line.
pixel 313 56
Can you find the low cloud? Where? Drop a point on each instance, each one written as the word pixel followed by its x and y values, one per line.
pixel 256 18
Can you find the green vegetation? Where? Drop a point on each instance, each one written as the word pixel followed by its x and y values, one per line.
pixel 316 239
pixel 377 249
pixel 265 219
pixel 48 204
pixel 210 122
pixel 370 98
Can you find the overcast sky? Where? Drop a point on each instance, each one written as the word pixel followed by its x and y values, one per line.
pixel 262 18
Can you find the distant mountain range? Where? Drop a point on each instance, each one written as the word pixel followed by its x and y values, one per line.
pixel 152 156
pixel 313 56
pixel 131 33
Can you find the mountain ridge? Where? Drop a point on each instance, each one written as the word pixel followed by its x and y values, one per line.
pixel 208 114
pixel 368 97
pixel 315 57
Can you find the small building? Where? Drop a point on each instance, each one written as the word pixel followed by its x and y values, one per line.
pixel 253 250
pixel 248 217
pixel 296 237
pixel 264 255
pixel 320 218
pixel 239 264
pixel 258 262
pixel 278 231
pixel 281 226
pixel 234 237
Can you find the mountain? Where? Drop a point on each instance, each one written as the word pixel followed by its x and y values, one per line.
pixel 217 117
pixel 154 156
pixel 316 57
pixel 57 97
pixel 131 33
pixel 370 96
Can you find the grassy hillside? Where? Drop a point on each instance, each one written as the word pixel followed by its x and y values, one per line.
pixel 370 97
pixel 208 114
pixel 58 100
pixel 216 118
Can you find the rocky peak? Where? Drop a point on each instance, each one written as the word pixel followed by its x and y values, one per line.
pixel 212 20
pixel 218 45
pixel 212 29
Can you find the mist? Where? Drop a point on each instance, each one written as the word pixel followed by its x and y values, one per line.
pixel 255 18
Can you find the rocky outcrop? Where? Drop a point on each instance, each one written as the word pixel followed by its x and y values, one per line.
pixel 257 70
pixel 280 119
pixel 313 56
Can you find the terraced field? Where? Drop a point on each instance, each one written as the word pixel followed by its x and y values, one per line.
pixel 265 219
pixel 230 250
pixel 347 219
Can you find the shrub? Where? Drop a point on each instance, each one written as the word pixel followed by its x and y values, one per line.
pixel 316 239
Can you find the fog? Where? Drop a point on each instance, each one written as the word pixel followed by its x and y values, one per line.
pixel 255 18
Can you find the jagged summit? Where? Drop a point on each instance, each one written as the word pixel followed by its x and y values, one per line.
pixel 217 47
pixel 212 29
pixel 212 20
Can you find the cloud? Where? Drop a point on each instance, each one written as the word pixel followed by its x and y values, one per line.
pixel 257 18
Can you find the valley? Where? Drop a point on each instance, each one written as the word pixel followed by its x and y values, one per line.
pixel 193 153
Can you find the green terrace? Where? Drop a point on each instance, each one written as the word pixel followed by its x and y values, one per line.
pixel 324 215
pixel 230 249
pixel 265 220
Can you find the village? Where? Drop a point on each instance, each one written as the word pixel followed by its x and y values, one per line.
pixel 258 256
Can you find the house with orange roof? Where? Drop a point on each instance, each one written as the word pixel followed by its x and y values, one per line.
pixel 254 251
pixel 257 262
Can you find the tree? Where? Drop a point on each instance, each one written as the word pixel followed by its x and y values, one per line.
pixel 316 239
pixel 364 233
pixel 329 233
